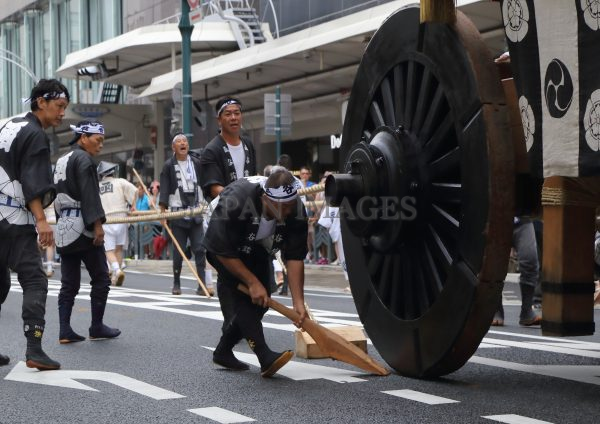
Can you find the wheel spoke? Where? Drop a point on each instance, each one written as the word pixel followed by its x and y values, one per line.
pixel 436 281
pixel 374 264
pixel 422 103
pixel 445 165
pixel 376 115
pixel 386 279
pixel 388 102
pixel 435 109
pixel 433 145
pixel 399 94
pixel 444 222
pixel 411 92
pixel 422 299
pixel 446 192
pixel 396 298
pixel 439 250
pixel 407 288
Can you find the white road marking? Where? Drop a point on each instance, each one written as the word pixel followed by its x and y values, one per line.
pixel 419 397
pixel 66 378
pixel 484 345
pixel 515 419
pixel 221 415
pixel 300 371
pixel 544 347
pixel 559 341
pixel 581 373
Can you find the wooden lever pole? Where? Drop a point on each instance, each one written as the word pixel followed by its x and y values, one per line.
pixel 438 11
pixel 175 243
pixel 331 344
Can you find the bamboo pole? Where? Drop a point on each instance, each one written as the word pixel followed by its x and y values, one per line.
pixel 443 11
pixel 175 243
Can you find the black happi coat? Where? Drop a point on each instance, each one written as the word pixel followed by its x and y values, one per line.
pixel 25 172
pixel 217 165
pixel 77 186
pixel 234 224
pixel 171 195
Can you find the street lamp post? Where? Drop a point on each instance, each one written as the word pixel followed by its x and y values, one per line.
pixel 186 28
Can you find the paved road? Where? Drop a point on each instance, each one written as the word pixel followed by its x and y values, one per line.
pixel 160 370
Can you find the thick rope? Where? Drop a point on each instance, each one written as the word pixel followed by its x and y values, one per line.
pixel 147 216
pixel 552 196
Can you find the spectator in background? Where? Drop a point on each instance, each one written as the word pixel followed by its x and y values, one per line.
pixel 525 244
pixel 117 196
pixel 142 203
pixel 305 174
pixel 313 216
pixel 285 161
pixel 159 238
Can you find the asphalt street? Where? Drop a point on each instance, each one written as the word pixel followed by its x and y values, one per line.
pixel 160 370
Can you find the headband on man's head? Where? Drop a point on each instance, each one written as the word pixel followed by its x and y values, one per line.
pixel 228 103
pixel 284 193
pixel 92 128
pixel 53 95
pixel 178 135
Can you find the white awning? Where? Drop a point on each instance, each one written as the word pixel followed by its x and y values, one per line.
pixel 310 63
pixel 145 52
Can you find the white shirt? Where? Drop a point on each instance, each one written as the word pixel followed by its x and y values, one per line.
pixel 116 195
pixel 239 158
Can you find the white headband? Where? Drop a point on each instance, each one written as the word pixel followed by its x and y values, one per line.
pixel 93 128
pixel 48 96
pixel 228 103
pixel 284 193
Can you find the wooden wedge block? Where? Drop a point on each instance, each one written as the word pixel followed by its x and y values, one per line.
pixel 308 349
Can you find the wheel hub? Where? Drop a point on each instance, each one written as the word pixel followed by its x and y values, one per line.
pixel 377 191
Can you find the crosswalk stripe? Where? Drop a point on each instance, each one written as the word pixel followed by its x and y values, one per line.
pixel 515 419
pixel 221 415
pixel 419 397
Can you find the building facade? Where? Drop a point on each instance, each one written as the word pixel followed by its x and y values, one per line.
pixel 110 53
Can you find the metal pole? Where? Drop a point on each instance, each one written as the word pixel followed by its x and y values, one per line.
pixel 186 86
pixel 278 121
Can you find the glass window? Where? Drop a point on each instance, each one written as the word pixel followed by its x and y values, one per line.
pixel 11 88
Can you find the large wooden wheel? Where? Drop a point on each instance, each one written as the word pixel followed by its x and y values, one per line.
pixel 427 194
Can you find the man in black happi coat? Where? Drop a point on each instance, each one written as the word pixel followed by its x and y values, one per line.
pixel 228 156
pixel 180 190
pixel 254 217
pixel 25 190
pixel 79 233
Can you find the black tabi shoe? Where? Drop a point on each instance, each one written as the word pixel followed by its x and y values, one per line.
pixel 4 360
pixel 529 318
pixel 176 290
pixel 70 337
pixel 229 361
pixel 273 365
pixel 37 358
pixel 103 332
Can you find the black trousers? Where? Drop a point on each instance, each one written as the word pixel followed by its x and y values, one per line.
pixel 4 283
pixel 19 252
pixel 236 305
pixel 94 259
pixel 184 230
